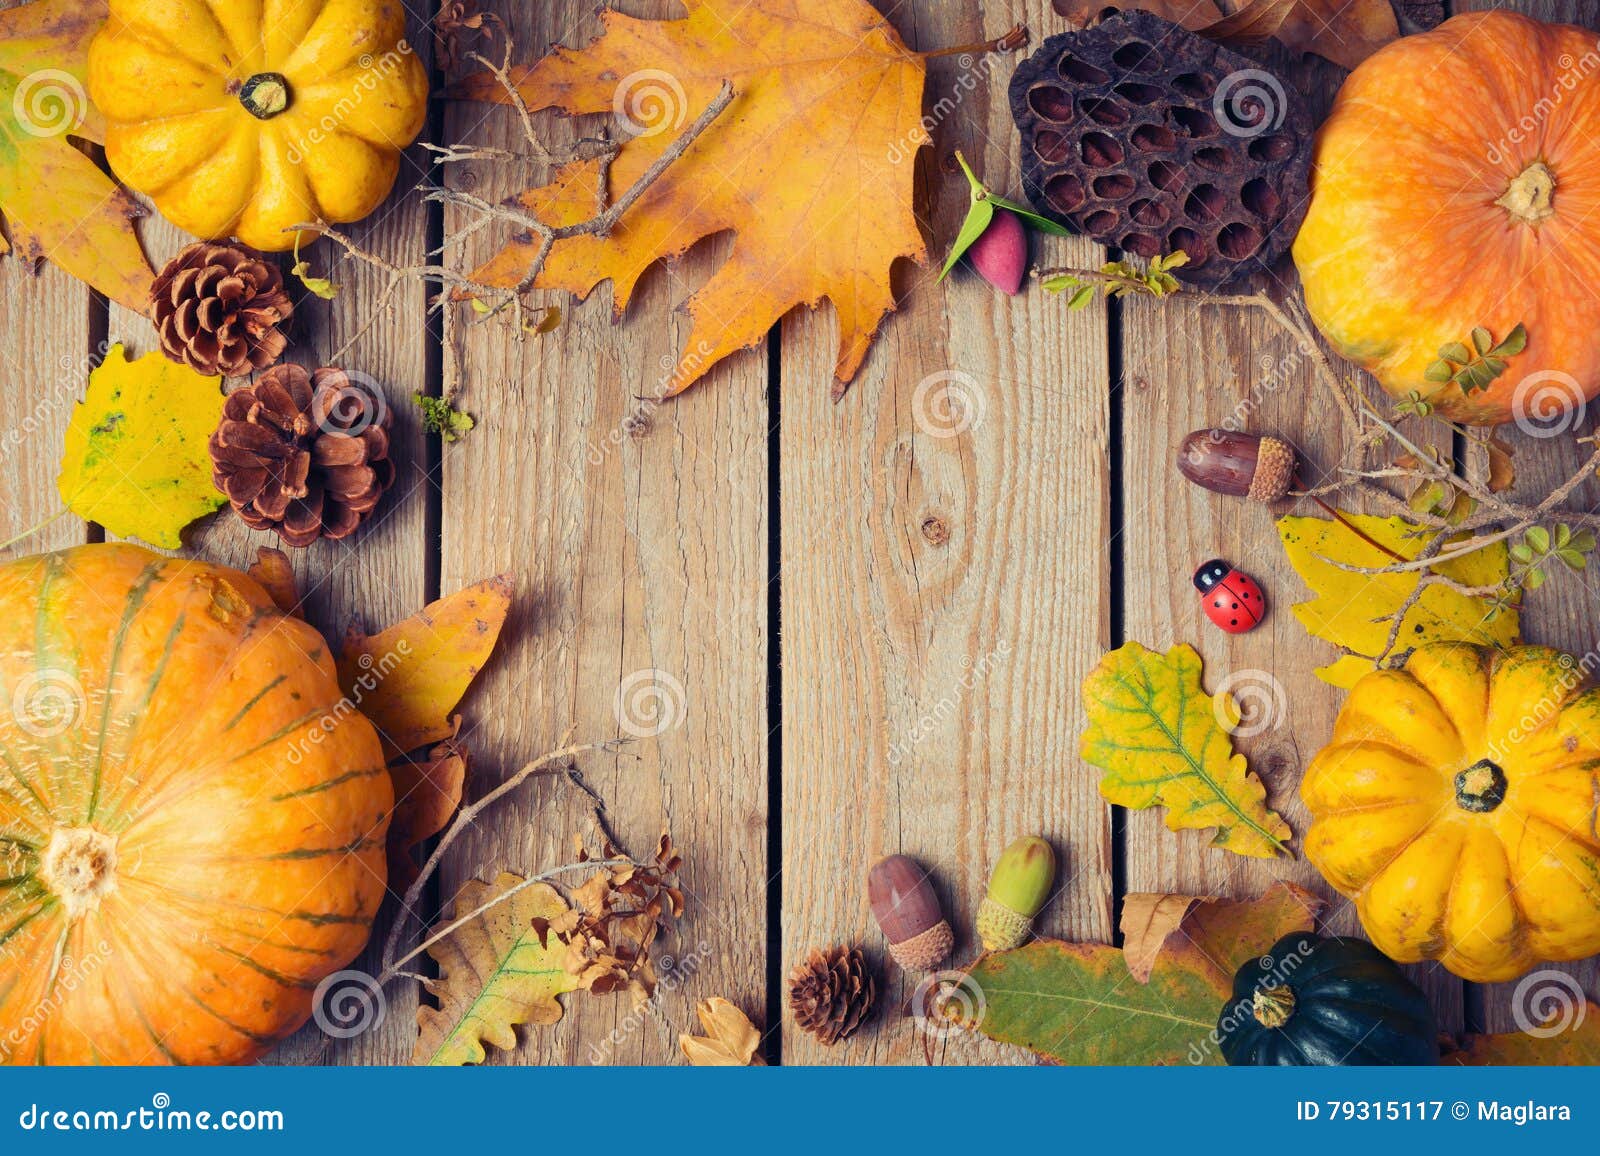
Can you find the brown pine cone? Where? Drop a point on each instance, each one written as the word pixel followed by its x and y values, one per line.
pixel 831 992
pixel 305 454
pixel 218 310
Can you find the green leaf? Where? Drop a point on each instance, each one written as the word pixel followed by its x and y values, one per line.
pixel 1516 341
pixel 1563 535
pixel 1043 224
pixel 1482 339
pixel 1538 538
pixel 1177 259
pixel 1159 738
pixel 440 417
pixel 979 214
pixel 1081 299
pixel 1583 541
pixel 1522 554
pixel 320 286
pixel 136 459
pixel 1438 371
pixel 1533 579
pixel 1455 351
pixel 1573 559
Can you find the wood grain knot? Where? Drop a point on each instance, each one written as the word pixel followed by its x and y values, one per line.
pixel 936 530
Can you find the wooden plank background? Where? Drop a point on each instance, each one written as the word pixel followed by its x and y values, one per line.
pixel 836 630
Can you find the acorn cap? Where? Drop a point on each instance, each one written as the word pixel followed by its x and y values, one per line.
pixel 1274 471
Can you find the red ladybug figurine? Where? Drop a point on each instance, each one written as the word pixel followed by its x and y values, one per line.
pixel 1231 599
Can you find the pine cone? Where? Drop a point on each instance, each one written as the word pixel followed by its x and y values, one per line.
pixel 304 454
pixel 831 992
pixel 218 309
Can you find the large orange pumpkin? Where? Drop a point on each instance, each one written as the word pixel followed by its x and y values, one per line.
pixel 192 821
pixel 1456 185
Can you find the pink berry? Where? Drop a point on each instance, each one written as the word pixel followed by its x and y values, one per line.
pixel 1000 254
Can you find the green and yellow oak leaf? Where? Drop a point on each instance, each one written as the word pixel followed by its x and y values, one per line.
pixel 1085 1004
pixel 55 202
pixel 810 167
pixel 1159 739
pixel 1356 611
pixel 500 969
pixel 135 458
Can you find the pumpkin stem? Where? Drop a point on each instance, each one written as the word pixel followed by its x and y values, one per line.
pixel 265 95
pixel 1481 787
pixel 1530 196
pixel 80 866
pixel 1272 1006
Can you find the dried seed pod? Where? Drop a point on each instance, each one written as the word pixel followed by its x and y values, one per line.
pixel 1238 464
pixel 1152 139
pixel 908 912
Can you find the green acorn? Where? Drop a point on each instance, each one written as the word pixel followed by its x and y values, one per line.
pixel 1019 887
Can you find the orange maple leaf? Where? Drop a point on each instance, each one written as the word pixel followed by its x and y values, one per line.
pixel 810 166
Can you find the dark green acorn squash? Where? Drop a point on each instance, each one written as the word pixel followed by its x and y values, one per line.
pixel 1326 1001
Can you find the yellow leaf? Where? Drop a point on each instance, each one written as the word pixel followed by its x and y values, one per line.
pixel 730 1041
pixel 56 202
pixel 811 166
pixel 273 570
pixel 135 458
pixel 427 794
pixel 494 973
pixel 1159 738
pixel 1356 610
pixel 408 678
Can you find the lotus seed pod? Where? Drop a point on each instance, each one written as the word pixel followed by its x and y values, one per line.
pixel 1018 889
pixel 908 912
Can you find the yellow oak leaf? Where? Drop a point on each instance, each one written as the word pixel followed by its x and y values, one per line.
pixel 56 203
pixel 730 1041
pixel 408 678
pixel 496 971
pixel 135 458
pixel 811 165
pixel 1356 611
pixel 1159 738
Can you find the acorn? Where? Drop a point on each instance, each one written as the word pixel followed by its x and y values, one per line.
pixel 908 912
pixel 1238 464
pixel 1018 890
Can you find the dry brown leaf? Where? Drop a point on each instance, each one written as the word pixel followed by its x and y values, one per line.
pixel 408 679
pixel 730 1041
pixel 1225 931
pixel 1502 464
pixel 275 573
pixel 1344 31
pixel 811 166
pixel 497 971
pixel 427 795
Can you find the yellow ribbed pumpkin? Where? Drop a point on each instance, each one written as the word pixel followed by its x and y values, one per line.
pixel 192 821
pixel 1456 805
pixel 245 118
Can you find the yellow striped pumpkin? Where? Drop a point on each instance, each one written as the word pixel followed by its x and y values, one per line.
pixel 191 825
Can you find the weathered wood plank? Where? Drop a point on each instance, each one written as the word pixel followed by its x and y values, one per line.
pixel 944 579
pixel 637 538
pixel 1191 365
pixel 379 574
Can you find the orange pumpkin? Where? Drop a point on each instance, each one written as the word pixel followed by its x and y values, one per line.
pixel 192 820
pixel 1456 186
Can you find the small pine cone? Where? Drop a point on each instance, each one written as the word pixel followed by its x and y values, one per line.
pixel 305 454
pixel 218 310
pixel 831 992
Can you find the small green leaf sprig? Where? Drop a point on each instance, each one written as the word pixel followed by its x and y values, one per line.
pixel 1541 547
pixel 981 211
pixel 442 418
pixel 1121 279
pixel 1476 367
